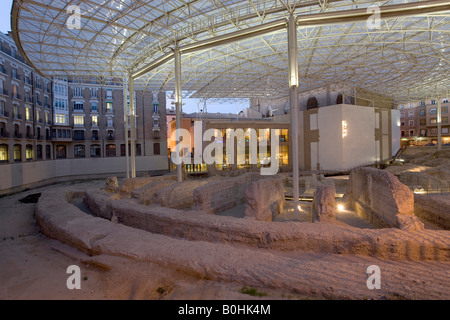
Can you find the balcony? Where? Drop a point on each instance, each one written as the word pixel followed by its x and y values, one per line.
pixel 95 138
pixel 47 106
pixel 110 137
pixel 3 91
pixel 17 116
pixel 41 120
pixel 4 134
pixel 38 102
pixel 28 99
pixel 3 70
pixel 4 114
pixel 30 136
pixel 28 81
pixel 16 96
pixel 18 135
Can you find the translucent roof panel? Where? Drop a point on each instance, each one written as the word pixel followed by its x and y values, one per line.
pixel 405 57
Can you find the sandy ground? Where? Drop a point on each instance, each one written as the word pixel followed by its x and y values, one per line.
pixel 33 266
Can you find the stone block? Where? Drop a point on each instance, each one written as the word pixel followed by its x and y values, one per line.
pixel 264 199
pixel 380 193
pixel 218 196
pixel 112 184
pixel 324 204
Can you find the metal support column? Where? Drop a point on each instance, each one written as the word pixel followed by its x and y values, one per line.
pixel 293 102
pixel 439 124
pixel 178 104
pixel 132 128
pixel 125 119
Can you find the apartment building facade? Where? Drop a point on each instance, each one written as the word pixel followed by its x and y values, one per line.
pixel 418 122
pixel 25 108
pixel 72 126
pixel 89 120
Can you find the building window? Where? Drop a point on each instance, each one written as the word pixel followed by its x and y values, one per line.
pixel 78 106
pixel 94 93
pixel 78 120
pixel 14 92
pixel 156 134
pixel 433 101
pixel 402 114
pixel 402 106
pixel 156 148
pixel 402 123
pixel 96 151
pixel 110 150
pixel 4 155
pixel 78 135
pixel 2 108
pixel 423 132
pixel 411 113
pixel 433 111
pixel 48 152
pixel 156 123
pixel 110 135
pixel 423 122
pixel 94 107
pixel 411 122
pixel 444 130
pixel 444 110
pixel 39 152
pixel 138 149
pixel 17 152
pixel 14 73
pixel 433 121
pixel 433 131
pixel 403 133
pixel 422 112
pixel 28 114
pixel 77 92
pixel 95 135
pixel 411 133
pixel 60 118
pixel 61 152
pixel 95 121
pixel 37 116
pixel 444 120
pixel 109 122
pixel 109 107
pixel 109 94
pixel 79 151
pixel 422 103
pixel 29 152
pixel 123 151
pixel 155 108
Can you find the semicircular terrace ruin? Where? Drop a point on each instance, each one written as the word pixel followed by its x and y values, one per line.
pixel 223 248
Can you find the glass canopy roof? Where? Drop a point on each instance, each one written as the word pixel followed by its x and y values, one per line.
pixel 405 58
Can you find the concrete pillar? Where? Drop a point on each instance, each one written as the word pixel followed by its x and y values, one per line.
pixel 125 119
pixel 132 128
pixel 439 124
pixel 178 104
pixel 293 102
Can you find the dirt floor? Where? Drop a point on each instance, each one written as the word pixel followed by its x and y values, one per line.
pixel 33 266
